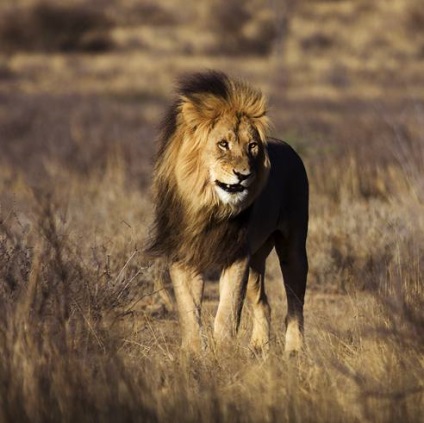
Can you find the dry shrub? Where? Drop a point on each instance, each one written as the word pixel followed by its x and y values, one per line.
pixel 317 42
pixel 241 29
pixel 414 22
pixel 6 73
pixel 365 204
pixel 392 338
pixel 51 27
pixel 148 13
pixel 61 303
pixel 401 297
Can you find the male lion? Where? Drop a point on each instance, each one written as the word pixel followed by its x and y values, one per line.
pixel 225 195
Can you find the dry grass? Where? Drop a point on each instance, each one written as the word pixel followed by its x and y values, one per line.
pixel 84 336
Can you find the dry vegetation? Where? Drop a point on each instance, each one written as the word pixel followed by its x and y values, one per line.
pixel 84 336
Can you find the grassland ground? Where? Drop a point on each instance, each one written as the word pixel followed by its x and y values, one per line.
pixel 84 333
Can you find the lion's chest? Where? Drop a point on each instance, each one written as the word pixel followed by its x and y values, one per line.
pixel 214 244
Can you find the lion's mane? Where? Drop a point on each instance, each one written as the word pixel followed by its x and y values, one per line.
pixel 191 226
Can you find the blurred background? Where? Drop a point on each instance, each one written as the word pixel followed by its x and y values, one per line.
pixel 80 79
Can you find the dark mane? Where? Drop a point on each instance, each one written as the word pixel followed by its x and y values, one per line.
pixel 211 82
pixel 220 243
pixel 167 128
pixel 211 235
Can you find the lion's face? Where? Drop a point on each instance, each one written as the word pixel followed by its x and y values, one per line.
pixel 237 161
pixel 213 158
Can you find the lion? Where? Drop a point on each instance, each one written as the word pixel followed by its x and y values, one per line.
pixel 225 195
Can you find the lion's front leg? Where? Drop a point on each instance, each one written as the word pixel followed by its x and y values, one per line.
pixel 259 341
pixel 232 289
pixel 188 288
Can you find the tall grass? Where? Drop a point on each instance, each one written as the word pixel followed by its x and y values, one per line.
pixel 84 335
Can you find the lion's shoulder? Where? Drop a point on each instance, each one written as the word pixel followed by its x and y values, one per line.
pixel 284 158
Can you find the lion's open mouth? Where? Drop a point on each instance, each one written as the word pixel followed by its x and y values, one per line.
pixel 231 188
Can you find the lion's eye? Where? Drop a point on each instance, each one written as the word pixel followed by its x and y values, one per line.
pixel 253 146
pixel 223 144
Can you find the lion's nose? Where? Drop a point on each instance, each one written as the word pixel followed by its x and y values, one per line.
pixel 242 175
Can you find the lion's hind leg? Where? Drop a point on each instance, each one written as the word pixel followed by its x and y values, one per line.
pixel 294 266
pixel 259 341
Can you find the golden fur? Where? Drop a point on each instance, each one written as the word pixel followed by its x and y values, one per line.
pixel 218 205
pixel 199 114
